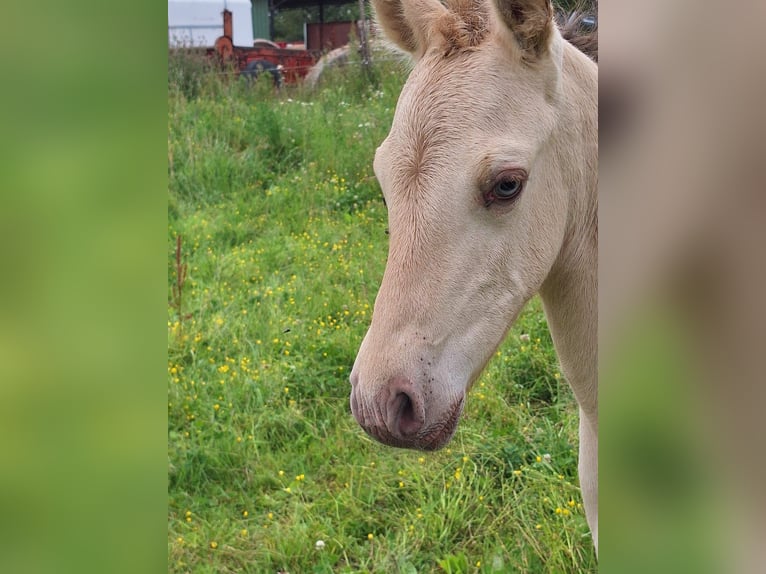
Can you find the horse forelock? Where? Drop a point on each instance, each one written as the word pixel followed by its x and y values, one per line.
pixel 466 25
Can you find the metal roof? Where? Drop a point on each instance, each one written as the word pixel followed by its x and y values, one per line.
pixel 289 4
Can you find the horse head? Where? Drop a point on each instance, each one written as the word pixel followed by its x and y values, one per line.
pixel 487 173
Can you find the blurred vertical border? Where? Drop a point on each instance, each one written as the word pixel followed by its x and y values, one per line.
pixel 83 180
pixel 682 269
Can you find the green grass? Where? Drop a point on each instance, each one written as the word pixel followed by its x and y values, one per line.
pixel 283 235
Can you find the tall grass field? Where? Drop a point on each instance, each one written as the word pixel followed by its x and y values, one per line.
pixel 276 247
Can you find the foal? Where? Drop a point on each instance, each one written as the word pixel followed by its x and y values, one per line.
pixel 490 176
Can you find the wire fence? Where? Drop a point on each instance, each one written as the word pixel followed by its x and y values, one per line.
pixel 214 68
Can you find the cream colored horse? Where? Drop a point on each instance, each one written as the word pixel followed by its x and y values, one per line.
pixel 490 177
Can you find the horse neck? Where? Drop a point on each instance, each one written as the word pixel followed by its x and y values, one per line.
pixel 570 292
pixel 570 300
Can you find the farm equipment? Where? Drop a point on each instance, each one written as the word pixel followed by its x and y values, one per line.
pixel 288 64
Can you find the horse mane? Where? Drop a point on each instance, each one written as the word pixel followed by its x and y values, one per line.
pixel 466 25
pixel 578 31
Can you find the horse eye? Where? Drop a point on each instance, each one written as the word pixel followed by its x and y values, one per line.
pixel 508 188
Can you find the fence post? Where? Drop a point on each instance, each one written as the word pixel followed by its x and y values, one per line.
pixel 363 45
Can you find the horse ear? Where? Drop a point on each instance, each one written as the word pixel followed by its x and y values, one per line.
pixel 529 21
pixel 408 23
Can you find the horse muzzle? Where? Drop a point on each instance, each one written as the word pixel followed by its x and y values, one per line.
pixel 397 415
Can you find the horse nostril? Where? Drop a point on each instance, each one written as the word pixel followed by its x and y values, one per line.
pixel 409 422
pixel 405 412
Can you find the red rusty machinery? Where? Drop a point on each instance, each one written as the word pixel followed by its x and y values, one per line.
pixel 294 63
